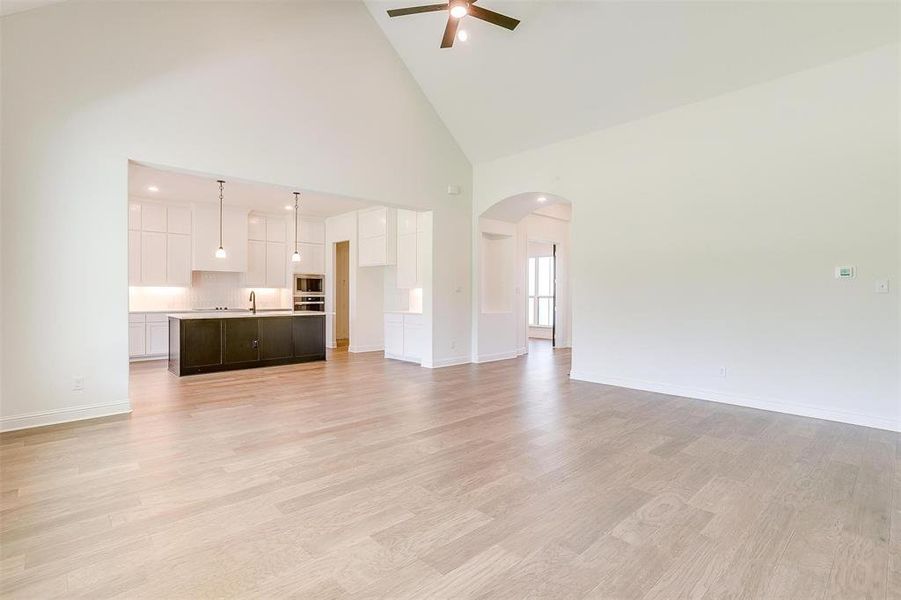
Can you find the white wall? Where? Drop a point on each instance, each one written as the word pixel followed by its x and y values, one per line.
pixel 706 237
pixel 305 94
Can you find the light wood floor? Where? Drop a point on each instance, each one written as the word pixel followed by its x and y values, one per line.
pixel 367 478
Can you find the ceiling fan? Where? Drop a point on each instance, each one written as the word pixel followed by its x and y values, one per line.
pixel 457 9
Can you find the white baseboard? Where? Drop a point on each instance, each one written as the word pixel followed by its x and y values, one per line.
pixel 771 404
pixel 484 358
pixel 64 415
pixel 447 362
pixel 372 348
pixel 146 358
pixel 521 351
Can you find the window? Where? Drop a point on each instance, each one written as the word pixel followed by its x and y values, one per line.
pixel 541 291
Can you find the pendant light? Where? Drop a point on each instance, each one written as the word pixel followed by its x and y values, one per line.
pixel 296 256
pixel 220 253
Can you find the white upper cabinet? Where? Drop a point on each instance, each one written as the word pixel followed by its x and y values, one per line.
pixel 408 268
pixel 275 230
pixel 178 220
pixel 312 258
pixel 406 221
pixel 256 228
pixel 276 267
pixel 267 252
pixel 178 259
pixel 134 216
pixel 153 258
pixel 309 231
pixel 153 217
pixel 205 238
pixel 377 236
pixel 159 244
pixel 256 264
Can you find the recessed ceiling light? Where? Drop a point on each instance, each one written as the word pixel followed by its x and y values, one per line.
pixel 462 35
pixel 152 188
pixel 288 207
pixel 542 199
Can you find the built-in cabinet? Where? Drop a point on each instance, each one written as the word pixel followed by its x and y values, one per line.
pixel 159 244
pixel 205 238
pixel 377 236
pixel 410 229
pixel 404 336
pixel 267 253
pixel 148 335
pixel 310 245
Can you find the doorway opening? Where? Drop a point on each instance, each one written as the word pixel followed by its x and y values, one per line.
pixel 342 294
pixel 541 306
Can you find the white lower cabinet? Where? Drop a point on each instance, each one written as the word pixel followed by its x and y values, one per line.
pixel 148 335
pixel 404 336
pixel 136 339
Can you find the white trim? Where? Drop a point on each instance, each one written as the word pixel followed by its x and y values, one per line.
pixel 148 357
pixel 447 362
pixel 770 404
pixel 64 415
pixel 484 358
pixel 372 348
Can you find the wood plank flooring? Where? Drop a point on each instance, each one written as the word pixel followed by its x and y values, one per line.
pixel 367 478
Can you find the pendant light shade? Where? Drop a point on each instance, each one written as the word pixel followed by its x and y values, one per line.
pixel 296 256
pixel 220 252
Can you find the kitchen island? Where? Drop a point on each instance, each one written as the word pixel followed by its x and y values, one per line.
pixel 205 342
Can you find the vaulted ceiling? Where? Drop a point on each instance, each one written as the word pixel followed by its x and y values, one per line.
pixel 575 67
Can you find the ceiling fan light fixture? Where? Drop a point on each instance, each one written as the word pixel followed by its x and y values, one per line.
pixel 459 9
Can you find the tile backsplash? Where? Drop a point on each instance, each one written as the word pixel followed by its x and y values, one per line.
pixel 208 289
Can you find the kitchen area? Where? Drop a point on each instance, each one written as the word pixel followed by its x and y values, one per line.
pixel 231 275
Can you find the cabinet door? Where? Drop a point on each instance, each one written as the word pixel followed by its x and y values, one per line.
pixel 394 336
pixel 241 340
pixel 134 216
pixel 153 217
pixel 309 336
pixel 413 337
pixel 178 259
pixel 178 219
pixel 275 230
pixel 372 251
pixel 312 258
pixel 153 258
pixel 406 260
pixel 134 258
pixel 373 222
pixel 406 221
pixel 136 339
pixel 256 264
pixel 256 228
pixel 276 265
pixel 158 339
pixel 311 232
pixel 276 337
pixel 202 342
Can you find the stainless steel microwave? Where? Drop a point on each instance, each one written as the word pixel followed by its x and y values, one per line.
pixel 305 283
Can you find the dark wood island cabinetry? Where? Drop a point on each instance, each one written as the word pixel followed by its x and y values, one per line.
pixel 205 343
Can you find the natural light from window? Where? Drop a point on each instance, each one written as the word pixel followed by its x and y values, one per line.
pixel 541 291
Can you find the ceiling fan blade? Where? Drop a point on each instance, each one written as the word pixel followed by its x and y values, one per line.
pixel 492 17
pixel 399 12
pixel 450 32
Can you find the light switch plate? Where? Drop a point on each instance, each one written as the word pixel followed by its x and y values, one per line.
pixel 882 286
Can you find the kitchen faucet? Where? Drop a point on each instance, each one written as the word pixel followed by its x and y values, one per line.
pixel 253 300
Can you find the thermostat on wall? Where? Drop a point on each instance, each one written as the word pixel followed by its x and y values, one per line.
pixel 844 272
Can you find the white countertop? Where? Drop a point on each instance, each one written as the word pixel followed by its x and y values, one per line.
pixel 228 314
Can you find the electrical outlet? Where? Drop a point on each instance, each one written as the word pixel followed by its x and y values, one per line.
pixel 77 383
pixel 882 286
pixel 454 345
pixel 722 371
